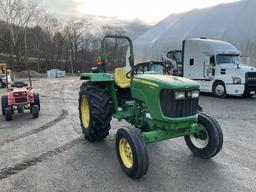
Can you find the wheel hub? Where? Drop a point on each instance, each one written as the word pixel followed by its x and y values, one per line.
pixel 85 111
pixel 126 153
pixel 220 89
pixel 200 139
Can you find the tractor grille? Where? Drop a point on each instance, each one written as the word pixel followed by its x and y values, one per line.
pixel 21 100
pixel 177 108
pixel 250 81
pixel 18 94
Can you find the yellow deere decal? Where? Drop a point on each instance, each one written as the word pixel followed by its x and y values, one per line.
pixel 145 82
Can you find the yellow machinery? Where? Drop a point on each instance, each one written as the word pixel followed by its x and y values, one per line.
pixel 5 75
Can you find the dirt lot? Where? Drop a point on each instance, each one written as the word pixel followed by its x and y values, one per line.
pixel 49 153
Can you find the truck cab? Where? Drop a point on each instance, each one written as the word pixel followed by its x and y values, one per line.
pixel 217 66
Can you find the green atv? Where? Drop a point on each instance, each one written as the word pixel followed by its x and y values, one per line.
pixel 157 106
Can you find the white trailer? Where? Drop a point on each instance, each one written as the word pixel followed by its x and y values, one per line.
pixel 216 65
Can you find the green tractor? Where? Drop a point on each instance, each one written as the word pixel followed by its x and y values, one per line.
pixel 157 106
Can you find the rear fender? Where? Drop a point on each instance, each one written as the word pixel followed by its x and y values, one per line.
pixel 97 77
pixel 107 80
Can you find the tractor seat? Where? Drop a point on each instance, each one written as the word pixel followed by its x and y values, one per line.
pixel 120 77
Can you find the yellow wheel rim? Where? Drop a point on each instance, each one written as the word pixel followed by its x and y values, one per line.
pixel 125 151
pixel 85 112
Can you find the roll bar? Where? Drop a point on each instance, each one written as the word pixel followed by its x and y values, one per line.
pixel 103 47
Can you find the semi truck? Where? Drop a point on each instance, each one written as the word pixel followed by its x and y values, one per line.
pixel 216 65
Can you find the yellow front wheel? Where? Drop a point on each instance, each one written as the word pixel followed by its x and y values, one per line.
pixel 126 153
pixel 131 152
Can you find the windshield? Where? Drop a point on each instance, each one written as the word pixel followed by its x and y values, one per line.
pixel 159 69
pixel 224 59
pixel 176 56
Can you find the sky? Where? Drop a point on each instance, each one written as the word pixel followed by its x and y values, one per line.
pixel 149 11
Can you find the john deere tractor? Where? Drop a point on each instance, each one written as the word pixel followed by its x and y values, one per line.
pixel 157 107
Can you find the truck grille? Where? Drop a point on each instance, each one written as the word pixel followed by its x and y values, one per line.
pixel 177 108
pixel 250 77
pixel 21 100
pixel 250 81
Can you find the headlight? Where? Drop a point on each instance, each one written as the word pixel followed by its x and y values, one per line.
pixel 195 94
pixel 179 95
pixel 236 80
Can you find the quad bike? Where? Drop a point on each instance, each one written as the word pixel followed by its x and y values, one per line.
pixel 20 97
pixel 157 106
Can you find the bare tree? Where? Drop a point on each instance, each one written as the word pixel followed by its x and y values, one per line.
pixel 74 31
pixel 48 26
pixel 17 14
pixel 114 50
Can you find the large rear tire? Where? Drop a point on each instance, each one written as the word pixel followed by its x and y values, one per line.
pixel 4 103
pixel 208 142
pixel 8 113
pixel 94 111
pixel 131 152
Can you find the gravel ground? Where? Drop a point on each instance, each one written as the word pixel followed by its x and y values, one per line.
pixel 50 154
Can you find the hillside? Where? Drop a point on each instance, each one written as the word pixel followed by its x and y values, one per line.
pixel 231 22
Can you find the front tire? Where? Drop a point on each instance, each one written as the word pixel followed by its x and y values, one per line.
pixel 208 141
pixel 131 152
pixel 219 89
pixel 37 101
pixel 94 111
pixel 35 111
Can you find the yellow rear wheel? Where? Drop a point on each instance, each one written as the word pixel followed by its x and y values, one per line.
pixel 85 111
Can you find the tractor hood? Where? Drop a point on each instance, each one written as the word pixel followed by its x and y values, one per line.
pixel 17 90
pixel 151 89
pixel 165 81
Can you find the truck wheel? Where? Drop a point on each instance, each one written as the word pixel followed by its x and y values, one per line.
pixel 208 141
pixel 4 103
pixel 94 111
pixel 131 152
pixel 8 113
pixel 219 90
pixel 37 100
pixel 35 111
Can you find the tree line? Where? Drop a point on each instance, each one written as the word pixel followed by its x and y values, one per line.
pixel 30 37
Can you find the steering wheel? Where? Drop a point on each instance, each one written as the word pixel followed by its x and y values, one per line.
pixel 134 71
